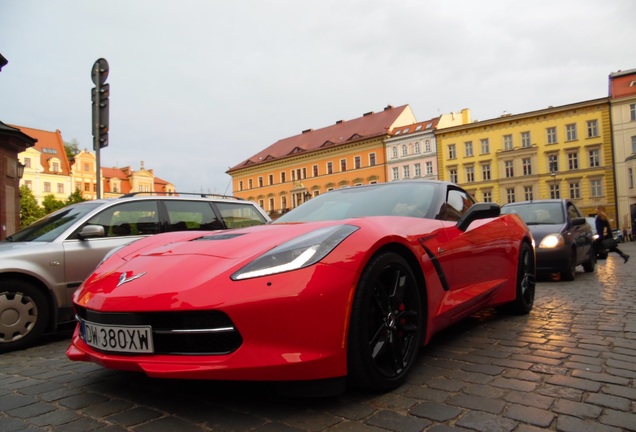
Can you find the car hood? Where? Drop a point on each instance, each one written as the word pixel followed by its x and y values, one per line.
pixel 540 231
pixel 162 271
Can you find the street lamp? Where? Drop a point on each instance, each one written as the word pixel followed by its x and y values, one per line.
pixel 20 169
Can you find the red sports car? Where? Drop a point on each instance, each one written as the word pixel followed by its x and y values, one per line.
pixel 348 285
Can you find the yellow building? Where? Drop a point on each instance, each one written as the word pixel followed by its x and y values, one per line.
pixel 292 170
pixel 558 152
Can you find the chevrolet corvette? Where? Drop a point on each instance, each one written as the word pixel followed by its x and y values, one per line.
pixel 343 289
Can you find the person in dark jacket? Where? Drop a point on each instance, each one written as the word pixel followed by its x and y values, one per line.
pixel 604 230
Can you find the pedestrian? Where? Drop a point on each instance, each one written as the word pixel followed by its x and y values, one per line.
pixel 604 231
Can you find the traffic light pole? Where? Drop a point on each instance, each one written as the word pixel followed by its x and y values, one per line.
pixel 96 146
pixel 99 96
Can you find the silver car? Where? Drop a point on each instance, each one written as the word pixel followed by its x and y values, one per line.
pixel 43 264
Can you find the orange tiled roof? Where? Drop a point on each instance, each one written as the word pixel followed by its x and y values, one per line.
pixel 343 132
pixel 415 127
pixel 49 144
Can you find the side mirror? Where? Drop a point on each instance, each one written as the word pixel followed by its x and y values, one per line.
pixel 90 231
pixel 478 211
pixel 578 221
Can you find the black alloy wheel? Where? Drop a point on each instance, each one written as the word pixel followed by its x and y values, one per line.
pixel 386 324
pixel 569 272
pixel 526 282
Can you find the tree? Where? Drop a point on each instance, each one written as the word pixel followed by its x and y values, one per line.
pixel 51 204
pixel 71 148
pixel 75 197
pixel 30 211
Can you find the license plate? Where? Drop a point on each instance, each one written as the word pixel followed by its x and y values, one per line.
pixel 128 339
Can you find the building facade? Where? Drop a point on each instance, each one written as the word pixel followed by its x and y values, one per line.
pixel 622 87
pixel 558 152
pixel 411 152
pixel 292 170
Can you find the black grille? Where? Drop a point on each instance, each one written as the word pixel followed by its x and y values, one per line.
pixel 221 337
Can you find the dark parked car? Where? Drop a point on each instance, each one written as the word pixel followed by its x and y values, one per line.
pixel 43 264
pixel 562 235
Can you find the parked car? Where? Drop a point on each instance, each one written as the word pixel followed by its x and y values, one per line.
pixel 43 264
pixel 349 284
pixel 561 233
pixel 597 244
pixel 618 235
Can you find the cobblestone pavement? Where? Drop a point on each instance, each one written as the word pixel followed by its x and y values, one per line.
pixel 568 366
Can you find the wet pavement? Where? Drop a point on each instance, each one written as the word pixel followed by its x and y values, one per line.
pixel 568 366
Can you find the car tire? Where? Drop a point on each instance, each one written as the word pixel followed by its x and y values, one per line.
pixel 385 331
pixel 569 272
pixel 24 315
pixel 590 264
pixel 525 282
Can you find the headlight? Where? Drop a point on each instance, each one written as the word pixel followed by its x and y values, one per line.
pixel 551 241
pixel 300 252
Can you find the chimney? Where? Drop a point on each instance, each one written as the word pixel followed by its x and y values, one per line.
pixel 308 130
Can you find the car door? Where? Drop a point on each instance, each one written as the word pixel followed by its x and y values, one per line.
pixel 581 234
pixel 119 221
pixel 475 260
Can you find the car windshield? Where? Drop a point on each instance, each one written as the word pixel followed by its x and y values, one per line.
pixel 49 227
pixel 537 213
pixel 387 199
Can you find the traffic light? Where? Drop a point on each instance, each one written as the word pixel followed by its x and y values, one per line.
pixel 99 98
pixel 100 114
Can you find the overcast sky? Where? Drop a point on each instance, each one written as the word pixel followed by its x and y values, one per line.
pixel 199 86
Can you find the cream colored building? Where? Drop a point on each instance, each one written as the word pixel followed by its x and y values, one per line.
pixel 623 111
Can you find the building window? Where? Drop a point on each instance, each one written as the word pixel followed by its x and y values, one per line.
pixel 405 151
pixel 271 204
pixel 283 203
pixel 249 184
pixel 60 188
pixel 417 148
pixel 525 139
pixel 86 167
pixel 485 146
pixel 528 193
pixel 485 172
pixel 510 171
pixel 55 167
pixel 592 128
pixel 270 179
pixel 508 145
pixel 570 132
pixel 47 187
pixel 632 112
pixel 27 162
pixel 406 171
pixel 343 165
pixel 468 146
pixel 596 188
pixel 451 151
pixel 329 167
pixel 452 175
pixel 429 168
pixel 394 153
pixel 427 146
pixel 510 195
pixel 261 203
pixel 634 144
pixel 573 161
pixel 575 192
pixel 87 187
pixel 595 158
pixel 240 185
pixel 282 177
pixel 554 191
pixel 488 196
pixel 372 159
pixel 260 181
pixel 552 135
pixel 357 162
pixel 553 163
pixel 630 177
pixel 28 184
pixel 396 173
pixel 470 174
pixel 527 166
pixel 418 170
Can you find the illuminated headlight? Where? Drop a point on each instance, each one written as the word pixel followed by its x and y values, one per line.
pixel 300 252
pixel 595 237
pixel 551 241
